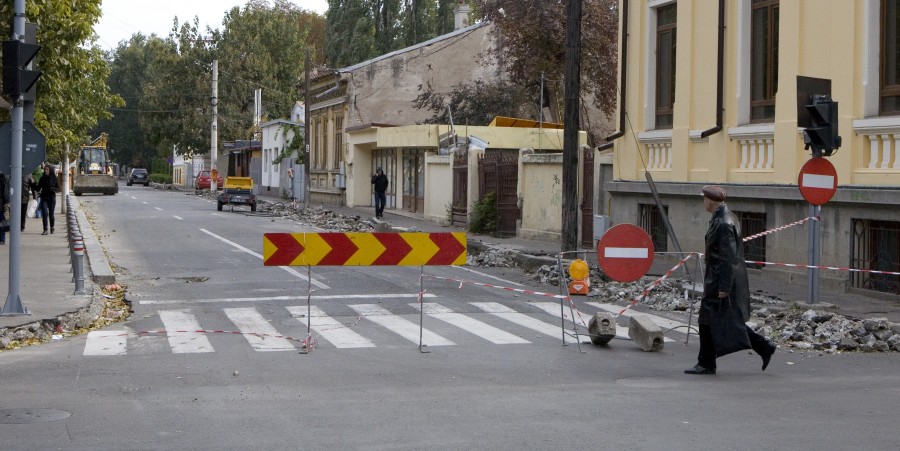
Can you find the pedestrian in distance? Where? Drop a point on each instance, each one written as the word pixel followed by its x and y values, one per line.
pixel 725 306
pixel 29 191
pixel 380 185
pixel 48 186
pixel 4 204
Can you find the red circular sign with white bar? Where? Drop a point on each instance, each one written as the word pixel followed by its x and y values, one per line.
pixel 625 252
pixel 818 181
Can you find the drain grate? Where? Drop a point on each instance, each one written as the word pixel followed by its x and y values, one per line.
pixel 28 416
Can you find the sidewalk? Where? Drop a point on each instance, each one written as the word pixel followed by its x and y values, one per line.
pixel 46 288
pixel 47 291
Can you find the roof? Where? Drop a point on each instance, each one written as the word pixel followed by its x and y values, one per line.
pixel 440 38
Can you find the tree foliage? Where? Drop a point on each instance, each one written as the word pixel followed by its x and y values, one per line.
pixel 477 103
pixel 72 94
pixel 526 53
pixel 167 81
pixel 358 30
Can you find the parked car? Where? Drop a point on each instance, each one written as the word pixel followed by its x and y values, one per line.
pixel 203 180
pixel 138 175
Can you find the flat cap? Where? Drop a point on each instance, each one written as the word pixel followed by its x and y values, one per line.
pixel 714 192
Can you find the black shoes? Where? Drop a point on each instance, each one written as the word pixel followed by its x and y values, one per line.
pixel 45 232
pixel 697 369
pixel 52 230
pixel 766 357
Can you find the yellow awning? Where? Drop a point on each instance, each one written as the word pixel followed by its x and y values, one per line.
pixel 501 121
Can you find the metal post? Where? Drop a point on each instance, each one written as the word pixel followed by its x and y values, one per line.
pixel 78 269
pixel 13 305
pixel 562 282
pixel 308 156
pixel 421 309
pixel 813 253
pixel 214 131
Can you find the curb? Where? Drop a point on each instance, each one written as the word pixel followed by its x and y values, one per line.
pixel 101 272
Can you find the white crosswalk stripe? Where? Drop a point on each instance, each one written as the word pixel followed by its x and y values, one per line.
pixel 400 326
pixel 469 324
pixel 180 326
pixel 106 342
pixel 502 311
pixel 329 328
pixel 258 332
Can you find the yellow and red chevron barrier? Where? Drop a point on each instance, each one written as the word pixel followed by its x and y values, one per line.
pixel 364 249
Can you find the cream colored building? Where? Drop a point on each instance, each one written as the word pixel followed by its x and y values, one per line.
pixel 709 95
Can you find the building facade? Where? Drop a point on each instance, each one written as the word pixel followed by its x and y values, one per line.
pixel 709 94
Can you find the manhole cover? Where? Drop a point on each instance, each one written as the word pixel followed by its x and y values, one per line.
pixel 648 382
pixel 27 416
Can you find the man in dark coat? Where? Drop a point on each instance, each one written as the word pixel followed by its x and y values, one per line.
pixel 379 185
pixel 725 284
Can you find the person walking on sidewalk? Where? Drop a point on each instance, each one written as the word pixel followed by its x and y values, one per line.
pixel 4 203
pixel 726 291
pixel 29 191
pixel 48 186
pixel 380 184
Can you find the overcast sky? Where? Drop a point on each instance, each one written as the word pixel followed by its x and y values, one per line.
pixel 123 18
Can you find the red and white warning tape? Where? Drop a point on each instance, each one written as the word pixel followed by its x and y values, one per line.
pixel 795 265
pixel 778 229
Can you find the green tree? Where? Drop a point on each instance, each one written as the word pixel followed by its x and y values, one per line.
pixel 72 92
pixel 350 32
pixel 525 54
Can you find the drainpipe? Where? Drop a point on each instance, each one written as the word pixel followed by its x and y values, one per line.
pixel 719 75
pixel 623 58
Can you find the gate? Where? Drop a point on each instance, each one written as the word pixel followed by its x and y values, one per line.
pixel 587 200
pixel 459 214
pixel 498 172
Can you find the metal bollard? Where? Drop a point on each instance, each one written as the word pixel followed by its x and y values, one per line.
pixel 79 268
pixel 76 241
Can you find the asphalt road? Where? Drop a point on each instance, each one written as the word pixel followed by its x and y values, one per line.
pixel 494 377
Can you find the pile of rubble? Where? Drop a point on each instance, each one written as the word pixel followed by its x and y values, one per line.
pixel 491 257
pixel 789 324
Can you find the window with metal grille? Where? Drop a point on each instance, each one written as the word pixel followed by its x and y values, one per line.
pixel 651 221
pixel 875 245
pixel 751 224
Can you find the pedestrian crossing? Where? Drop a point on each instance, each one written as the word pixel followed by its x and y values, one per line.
pixel 357 326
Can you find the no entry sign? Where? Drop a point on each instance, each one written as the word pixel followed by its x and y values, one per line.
pixel 818 181
pixel 625 252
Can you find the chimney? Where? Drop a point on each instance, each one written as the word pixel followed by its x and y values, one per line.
pixel 461 15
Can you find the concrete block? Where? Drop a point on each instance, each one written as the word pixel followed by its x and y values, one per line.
pixel 645 333
pixel 602 328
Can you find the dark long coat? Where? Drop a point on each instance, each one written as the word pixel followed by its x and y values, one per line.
pixel 725 268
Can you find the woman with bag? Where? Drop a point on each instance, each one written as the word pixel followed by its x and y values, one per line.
pixel 725 306
pixel 48 186
pixel 29 204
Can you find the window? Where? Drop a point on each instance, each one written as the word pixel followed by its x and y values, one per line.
pixel 751 224
pixel 652 222
pixel 338 141
pixel 889 92
pixel 875 246
pixel 665 65
pixel 764 60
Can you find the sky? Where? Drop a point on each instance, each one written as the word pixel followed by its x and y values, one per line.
pixel 123 18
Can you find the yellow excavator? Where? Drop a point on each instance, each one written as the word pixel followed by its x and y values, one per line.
pixel 95 172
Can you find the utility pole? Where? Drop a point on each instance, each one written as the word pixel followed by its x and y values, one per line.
pixel 214 131
pixel 306 159
pixel 571 121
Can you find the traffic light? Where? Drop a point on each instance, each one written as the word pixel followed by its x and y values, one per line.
pixel 822 134
pixel 16 79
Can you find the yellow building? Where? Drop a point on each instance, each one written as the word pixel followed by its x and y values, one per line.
pixel 709 94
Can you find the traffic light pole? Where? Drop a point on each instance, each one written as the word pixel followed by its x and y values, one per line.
pixel 813 248
pixel 13 305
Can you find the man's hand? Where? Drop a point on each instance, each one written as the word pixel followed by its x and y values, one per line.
pixel 723 295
